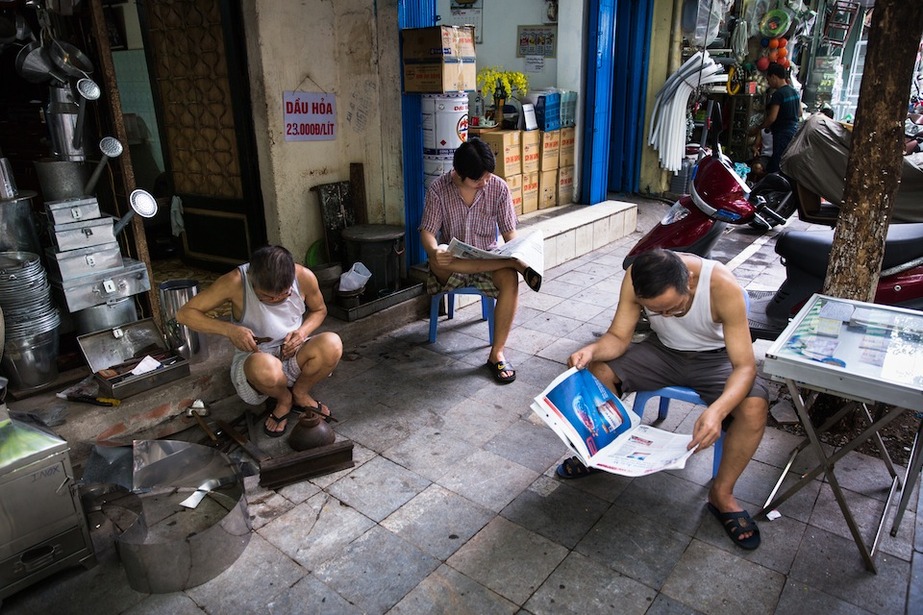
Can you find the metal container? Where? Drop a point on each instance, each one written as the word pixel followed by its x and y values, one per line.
pixel 31 361
pixel 42 526
pixel 173 295
pixel 111 347
pixel 61 118
pixel 98 288
pixel 17 225
pixel 83 234
pixel 72 264
pixel 380 247
pixel 61 179
pixel 72 210
pixel 106 316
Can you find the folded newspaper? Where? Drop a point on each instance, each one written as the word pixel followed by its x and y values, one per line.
pixel 603 432
pixel 528 247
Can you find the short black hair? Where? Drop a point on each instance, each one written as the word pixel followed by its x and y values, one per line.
pixel 473 158
pixel 272 269
pixel 777 70
pixel 656 271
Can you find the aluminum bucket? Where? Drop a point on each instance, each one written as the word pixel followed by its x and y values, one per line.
pixel 173 295
pixel 32 361
pixel 61 179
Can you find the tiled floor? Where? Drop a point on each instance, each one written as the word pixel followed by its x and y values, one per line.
pixel 453 506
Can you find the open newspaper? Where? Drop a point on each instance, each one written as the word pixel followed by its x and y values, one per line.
pixel 603 432
pixel 529 247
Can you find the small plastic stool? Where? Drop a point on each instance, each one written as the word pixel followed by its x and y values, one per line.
pixel 487 310
pixel 683 394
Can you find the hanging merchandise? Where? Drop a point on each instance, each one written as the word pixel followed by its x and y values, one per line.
pixel 668 124
pixel 775 23
pixel 708 19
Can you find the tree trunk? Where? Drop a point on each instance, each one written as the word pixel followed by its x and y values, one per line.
pixel 873 171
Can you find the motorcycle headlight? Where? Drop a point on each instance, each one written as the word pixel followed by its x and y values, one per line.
pixel 676 213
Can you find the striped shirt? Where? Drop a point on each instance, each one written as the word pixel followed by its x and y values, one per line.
pixel 446 215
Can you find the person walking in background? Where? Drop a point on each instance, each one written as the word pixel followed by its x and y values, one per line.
pixel 782 113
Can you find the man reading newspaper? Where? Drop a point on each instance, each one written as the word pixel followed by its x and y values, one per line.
pixel 471 204
pixel 701 340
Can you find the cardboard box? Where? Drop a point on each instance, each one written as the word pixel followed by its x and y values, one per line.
pixel 529 192
pixel 547 189
pixel 507 149
pixel 515 184
pixel 568 143
pixel 438 42
pixel 551 147
pixel 566 185
pixel 440 77
pixel 531 150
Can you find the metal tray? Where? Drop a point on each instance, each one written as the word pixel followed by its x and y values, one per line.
pixel 110 347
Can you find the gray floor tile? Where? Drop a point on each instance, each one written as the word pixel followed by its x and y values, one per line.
pixel 601 297
pixel 508 559
pixel 376 428
pixel 378 488
pixel 549 323
pixel 537 372
pixel 799 598
pixel 679 504
pixel 664 605
pixel 529 341
pixel 580 310
pixel 239 590
pixel 561 287
pixel 438 521
pixel 168 604
pixel 833 565
pixel 580 586
pixel 560 350
pixel 377 570
pixel 603 485
pixel 429 452
pixel 556 510
pixel 531 445
pixel 448 592
pixel 310 596
pixel 711 581
pixel 540 300
pixel 622 541
pixel 315 531
pixel 477 420
pixel 488 479
pixel 264 505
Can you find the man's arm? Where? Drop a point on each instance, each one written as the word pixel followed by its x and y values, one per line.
pixel 227 288
pixel 616 340
pixel 448 263
pixel 315 310
pixel 772 112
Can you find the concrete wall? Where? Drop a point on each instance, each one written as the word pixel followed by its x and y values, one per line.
pixel 347 49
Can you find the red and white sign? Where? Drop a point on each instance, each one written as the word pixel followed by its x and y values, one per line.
pixel 309 116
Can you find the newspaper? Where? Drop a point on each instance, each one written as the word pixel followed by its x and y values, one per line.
pixel 603 432
pixel 527 247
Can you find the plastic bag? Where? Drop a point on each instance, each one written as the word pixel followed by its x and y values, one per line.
pixel 708 18
pixel 356 278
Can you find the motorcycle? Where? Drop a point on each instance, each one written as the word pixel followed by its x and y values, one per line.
pixel 719 196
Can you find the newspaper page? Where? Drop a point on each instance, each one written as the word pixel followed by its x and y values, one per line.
pixel 603 432
pixel 528 247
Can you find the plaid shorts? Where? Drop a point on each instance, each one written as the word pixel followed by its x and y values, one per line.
pixel 245 390
pixel 484 282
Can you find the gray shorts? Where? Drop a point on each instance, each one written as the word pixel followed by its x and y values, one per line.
pixel 649 365
pixel 245 390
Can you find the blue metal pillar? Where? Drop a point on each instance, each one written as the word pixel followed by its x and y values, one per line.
pixel 413 14
pixel 598 100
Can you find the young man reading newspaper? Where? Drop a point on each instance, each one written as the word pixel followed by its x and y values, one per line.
pixel 701 340
pixel 471 204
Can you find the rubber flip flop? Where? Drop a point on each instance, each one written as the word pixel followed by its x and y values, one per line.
pixel 532 279
pixel 497 370
pixel 277 419
pixel 737 523
pixel 574 468
pixel 320 409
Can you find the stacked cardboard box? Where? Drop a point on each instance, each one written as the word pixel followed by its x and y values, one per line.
pixel 566 158
pixel 507 148
pixel 531 162
pixel 439 59
pixel 548 168
pixel 515 184
pixel 529 192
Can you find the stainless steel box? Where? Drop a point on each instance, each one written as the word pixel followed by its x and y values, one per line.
pixel 72 210
pixel 74 235
pixel 98 288
pixel 83 261
pixel 120 347
pixel 42 525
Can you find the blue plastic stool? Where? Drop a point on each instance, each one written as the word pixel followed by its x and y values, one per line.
pixel 683 394
pixel 487 310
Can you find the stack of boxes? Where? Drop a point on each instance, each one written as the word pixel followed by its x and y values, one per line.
pixel 439 59
pixel 507 148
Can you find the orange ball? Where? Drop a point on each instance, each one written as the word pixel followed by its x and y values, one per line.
pixel 783 42
pixel 762 63
pixel 773 55
pixel 782 51
pixel 773 43
pixel 784 63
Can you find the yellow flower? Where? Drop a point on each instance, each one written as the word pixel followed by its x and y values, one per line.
pixel 493 81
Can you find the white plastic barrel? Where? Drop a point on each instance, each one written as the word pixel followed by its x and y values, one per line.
pixel 445 122
pixel 433 167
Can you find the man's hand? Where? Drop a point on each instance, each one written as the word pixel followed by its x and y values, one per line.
pixel 292 343
pixel 581 358
pixel 706 431
pixel 242 338
pixel 444 258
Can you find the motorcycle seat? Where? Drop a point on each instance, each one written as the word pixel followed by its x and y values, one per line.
pixel 811 249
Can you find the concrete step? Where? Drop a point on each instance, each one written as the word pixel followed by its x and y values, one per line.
pixel 569 232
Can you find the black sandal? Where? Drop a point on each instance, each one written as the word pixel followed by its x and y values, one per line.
pixel 278 420
pixel 497 370
pixel 532 278
pixel 320 409
pixel 574 468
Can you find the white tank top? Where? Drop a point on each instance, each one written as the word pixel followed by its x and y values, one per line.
pixel 695 330
pixel 275 321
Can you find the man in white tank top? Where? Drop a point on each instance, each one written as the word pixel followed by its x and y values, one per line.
pixel 698 312
pixel 276 305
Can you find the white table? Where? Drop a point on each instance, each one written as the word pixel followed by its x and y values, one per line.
pixel 864 353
